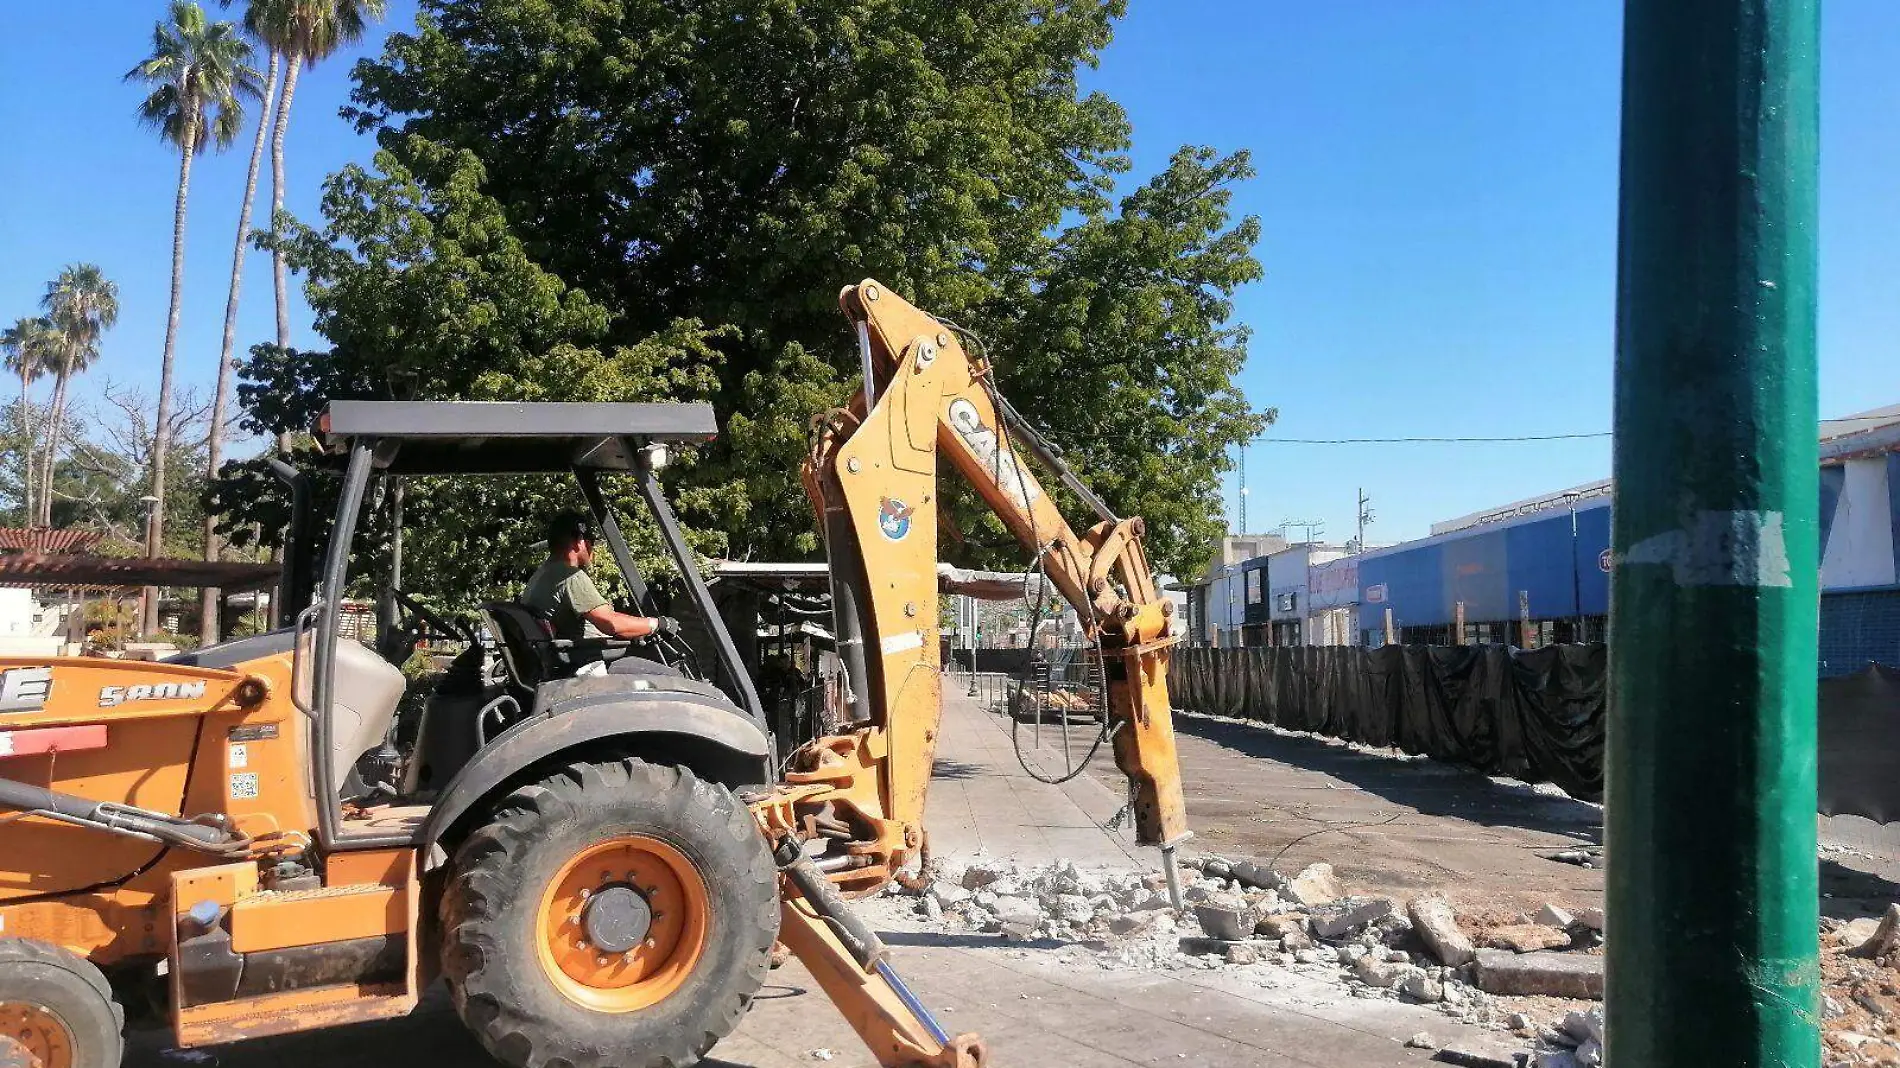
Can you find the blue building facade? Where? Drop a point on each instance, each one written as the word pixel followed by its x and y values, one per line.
pixel 1539 568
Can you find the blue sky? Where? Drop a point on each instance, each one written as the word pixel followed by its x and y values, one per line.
pixel 1437 193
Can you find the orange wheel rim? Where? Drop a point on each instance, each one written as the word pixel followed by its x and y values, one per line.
pixel 622 924
pixel 38 1032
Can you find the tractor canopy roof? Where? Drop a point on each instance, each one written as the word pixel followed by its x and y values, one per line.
pixel 510 437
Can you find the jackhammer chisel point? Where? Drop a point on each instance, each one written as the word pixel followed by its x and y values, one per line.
pixel 1171 870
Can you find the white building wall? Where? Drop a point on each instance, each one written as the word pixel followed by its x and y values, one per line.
pixel 1860 543
pixel 16 611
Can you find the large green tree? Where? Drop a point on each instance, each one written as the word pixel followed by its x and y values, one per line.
pixel 709 174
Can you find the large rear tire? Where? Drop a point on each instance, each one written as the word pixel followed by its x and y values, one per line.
pixel 614 914
pixel 56 1010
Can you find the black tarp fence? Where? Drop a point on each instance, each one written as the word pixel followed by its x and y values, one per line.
pixel 1860 744
pixel 1536 715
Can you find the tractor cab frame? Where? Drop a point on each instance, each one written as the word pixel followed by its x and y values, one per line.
pixel 726 732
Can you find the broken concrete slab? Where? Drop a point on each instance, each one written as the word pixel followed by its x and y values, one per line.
pixel 948 895
pixel 1884 938
pixel 1526 938
pixel 1258 876
pixel 1421 987
pixel 1227 917
pixel 1568 975
pixel 1348 917
pixel 1437 925
pixel 1383 974
pixel 1019 921
pixel 978 876
pixel 1314 885
pixel 1280 925
pixel 1554 916
pixel 1591 918
pixel 1584 1026
pixel 1469 1056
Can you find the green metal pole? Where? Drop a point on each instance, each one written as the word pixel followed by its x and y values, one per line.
pixel 1713 949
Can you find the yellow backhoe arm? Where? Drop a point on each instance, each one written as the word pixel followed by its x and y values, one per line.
pixel 872 479
pixel 937 393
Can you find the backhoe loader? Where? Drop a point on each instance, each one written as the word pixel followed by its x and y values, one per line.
pixel 595 846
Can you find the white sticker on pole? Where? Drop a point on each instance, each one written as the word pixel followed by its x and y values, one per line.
pixel 1721 549
pixel 898 643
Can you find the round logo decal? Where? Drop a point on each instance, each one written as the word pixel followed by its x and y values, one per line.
pixel 893 518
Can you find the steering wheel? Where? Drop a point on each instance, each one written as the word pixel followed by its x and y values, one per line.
pixel 436 622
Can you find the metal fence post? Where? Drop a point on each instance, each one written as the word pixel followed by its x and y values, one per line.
pixel 1713 954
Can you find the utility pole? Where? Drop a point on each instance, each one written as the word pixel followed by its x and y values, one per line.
pixel 1243 489
pixel 1713 954
pixel 1365 518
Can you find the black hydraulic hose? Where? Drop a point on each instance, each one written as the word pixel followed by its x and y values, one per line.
pixel 25 798
pixel 862 942
pixel 847 617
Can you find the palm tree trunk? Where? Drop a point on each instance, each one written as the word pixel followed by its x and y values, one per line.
pixel 279 279
pixel 55 428
pixel 278 275
pixel 161 431
pixel 26 450
pixel 208 605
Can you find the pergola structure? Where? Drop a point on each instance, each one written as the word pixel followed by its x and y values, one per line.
pixel 57 561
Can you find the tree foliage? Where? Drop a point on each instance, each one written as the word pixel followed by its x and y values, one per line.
pixel 630 199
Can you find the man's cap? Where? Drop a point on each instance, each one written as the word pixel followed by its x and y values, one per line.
pixel 568 527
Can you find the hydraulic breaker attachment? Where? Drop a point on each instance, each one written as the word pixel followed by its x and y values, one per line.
pixel 852 965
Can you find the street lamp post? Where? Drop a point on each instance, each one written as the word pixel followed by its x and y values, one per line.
pixel 1576 574
pixel 975 626
pixel 148 595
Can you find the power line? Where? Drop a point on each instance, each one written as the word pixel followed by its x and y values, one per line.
pixel 1429 440
pixel 1486 440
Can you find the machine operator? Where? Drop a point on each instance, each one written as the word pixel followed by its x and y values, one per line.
pixel 564 596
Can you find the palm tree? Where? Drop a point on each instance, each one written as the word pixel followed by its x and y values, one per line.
pixel 198 69
pixel 314 30
pixel 267 22
pixel 82 305
pixel 31 347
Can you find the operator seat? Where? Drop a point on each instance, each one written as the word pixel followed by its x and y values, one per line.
pixel 366 693
pixel 526 648
pixel 533 656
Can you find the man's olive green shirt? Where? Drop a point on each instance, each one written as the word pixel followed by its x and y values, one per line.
pixel 562 594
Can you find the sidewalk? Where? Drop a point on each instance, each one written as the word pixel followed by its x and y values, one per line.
pixel 981 799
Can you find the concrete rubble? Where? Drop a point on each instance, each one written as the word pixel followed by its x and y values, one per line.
pixel 1437 925
pixel 1242 919
pixel 1251 924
